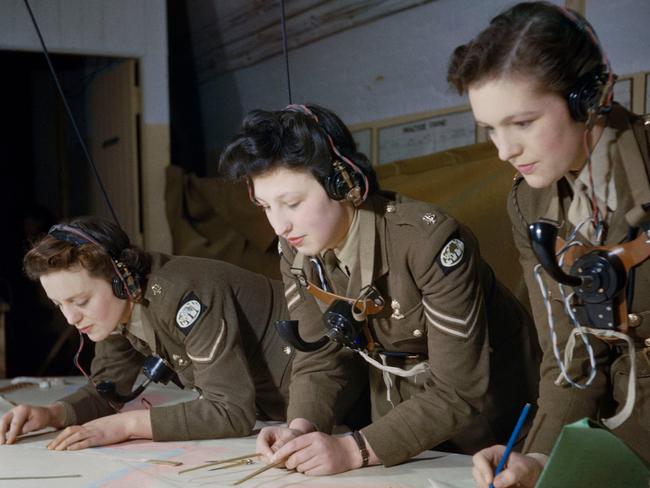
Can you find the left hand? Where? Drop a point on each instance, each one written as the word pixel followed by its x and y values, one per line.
pixel 112 429
pixel 320 454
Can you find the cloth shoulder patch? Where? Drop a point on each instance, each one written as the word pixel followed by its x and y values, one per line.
pixel 452 255
pixel 189 311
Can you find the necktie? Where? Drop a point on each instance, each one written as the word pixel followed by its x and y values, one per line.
pixel 581 210
pixel 337 278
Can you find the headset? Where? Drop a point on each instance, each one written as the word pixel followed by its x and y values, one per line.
pixel 592 93
pixel 125 284
pixel 341 183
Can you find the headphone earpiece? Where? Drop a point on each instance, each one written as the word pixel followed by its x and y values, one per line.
pixel 346 181
pixel 125 284
pixel 584 98
pixel 591 95
pixel 118 288
pixel 342 184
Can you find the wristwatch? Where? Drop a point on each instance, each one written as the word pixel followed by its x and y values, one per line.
pixel 361 444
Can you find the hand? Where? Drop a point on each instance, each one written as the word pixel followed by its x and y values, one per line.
pixel 270 439
pixel 522 470
pixel 103 431
pixel 28 418
pixel 320 454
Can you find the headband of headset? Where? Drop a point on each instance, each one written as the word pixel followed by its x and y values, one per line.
pixel 125 284
pixel 592 93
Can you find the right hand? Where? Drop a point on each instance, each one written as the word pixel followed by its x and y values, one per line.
pixel 270 439
pixel 522 470
pixel 27 418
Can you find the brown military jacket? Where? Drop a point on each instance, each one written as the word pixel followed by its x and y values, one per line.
pixel 446 307
pixel 559 405
pixel 214 323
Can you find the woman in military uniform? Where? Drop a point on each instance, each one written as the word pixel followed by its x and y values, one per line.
pixel 210 321
pixel 435 331
pixel 539 81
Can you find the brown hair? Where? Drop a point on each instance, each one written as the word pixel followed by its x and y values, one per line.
pixel 537 40
pixel 52 253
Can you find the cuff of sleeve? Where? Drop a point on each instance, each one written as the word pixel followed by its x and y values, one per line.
pixel 311 412
pixel 168 425
pixel 392 446
pixel 69 414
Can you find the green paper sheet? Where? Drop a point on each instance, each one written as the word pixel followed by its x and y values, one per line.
pixel 588 455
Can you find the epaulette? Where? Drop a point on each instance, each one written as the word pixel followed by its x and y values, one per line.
pixel 414 213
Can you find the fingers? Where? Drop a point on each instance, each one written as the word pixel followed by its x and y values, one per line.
pixel 13 422
pixel 485 462
pixel 71 439
pixel 266 439
pixel 507 477
pixel 291 446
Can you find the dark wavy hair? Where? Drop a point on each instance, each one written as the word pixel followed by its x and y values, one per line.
pixel 537 40
pixel 50 254
pixel 291 139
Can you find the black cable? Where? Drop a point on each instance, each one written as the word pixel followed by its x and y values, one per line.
pixel 285 50
pixel 69 111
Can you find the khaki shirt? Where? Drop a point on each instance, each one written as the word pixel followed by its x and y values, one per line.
pixel 560 405
pixel 214 323
pixel 443 303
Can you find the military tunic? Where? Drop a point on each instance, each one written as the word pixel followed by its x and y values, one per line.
pixel 443 305
pixel 560 405
pixel 214 323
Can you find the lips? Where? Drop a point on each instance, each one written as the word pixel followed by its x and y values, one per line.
pixel 295 241
pixel 526 169
pixel 85 330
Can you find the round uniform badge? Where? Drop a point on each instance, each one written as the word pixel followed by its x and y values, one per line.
pixel 452 253
pixel 188 313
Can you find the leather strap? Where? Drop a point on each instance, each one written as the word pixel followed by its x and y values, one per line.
pixel 363 449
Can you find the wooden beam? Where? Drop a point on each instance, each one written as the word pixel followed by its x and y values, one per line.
pixel 242 34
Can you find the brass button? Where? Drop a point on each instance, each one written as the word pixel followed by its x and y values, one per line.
pixel 634 320
pixel 286 350
pixel 417 333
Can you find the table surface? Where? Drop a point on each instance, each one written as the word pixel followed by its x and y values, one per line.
pixel 129 464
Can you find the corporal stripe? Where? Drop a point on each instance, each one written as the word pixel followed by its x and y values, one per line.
pixel 435 317
pixel 210 356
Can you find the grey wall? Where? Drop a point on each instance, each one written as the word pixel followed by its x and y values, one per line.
pixel 396 65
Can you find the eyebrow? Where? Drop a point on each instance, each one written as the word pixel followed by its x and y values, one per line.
pixel 507 119
pixel 68 299
pixel 281 195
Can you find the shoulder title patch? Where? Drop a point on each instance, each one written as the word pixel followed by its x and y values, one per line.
pixel 451 255
pixel 189 311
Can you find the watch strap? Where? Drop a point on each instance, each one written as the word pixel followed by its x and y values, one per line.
pixel 363 449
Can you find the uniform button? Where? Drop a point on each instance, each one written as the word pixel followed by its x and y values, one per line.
pixel 634 320
pixel 286 350
pixel 390 208
pixel 417 333
pixel 647 342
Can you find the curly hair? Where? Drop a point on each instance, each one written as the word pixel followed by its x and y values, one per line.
pixel 537 40
pixel 291 139
pixel 50 253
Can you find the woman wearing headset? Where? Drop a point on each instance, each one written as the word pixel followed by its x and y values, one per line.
pixel 538 80
pixel 413 309
pixel 210 321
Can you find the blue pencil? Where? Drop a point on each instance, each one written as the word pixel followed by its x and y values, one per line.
pixel 512 440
